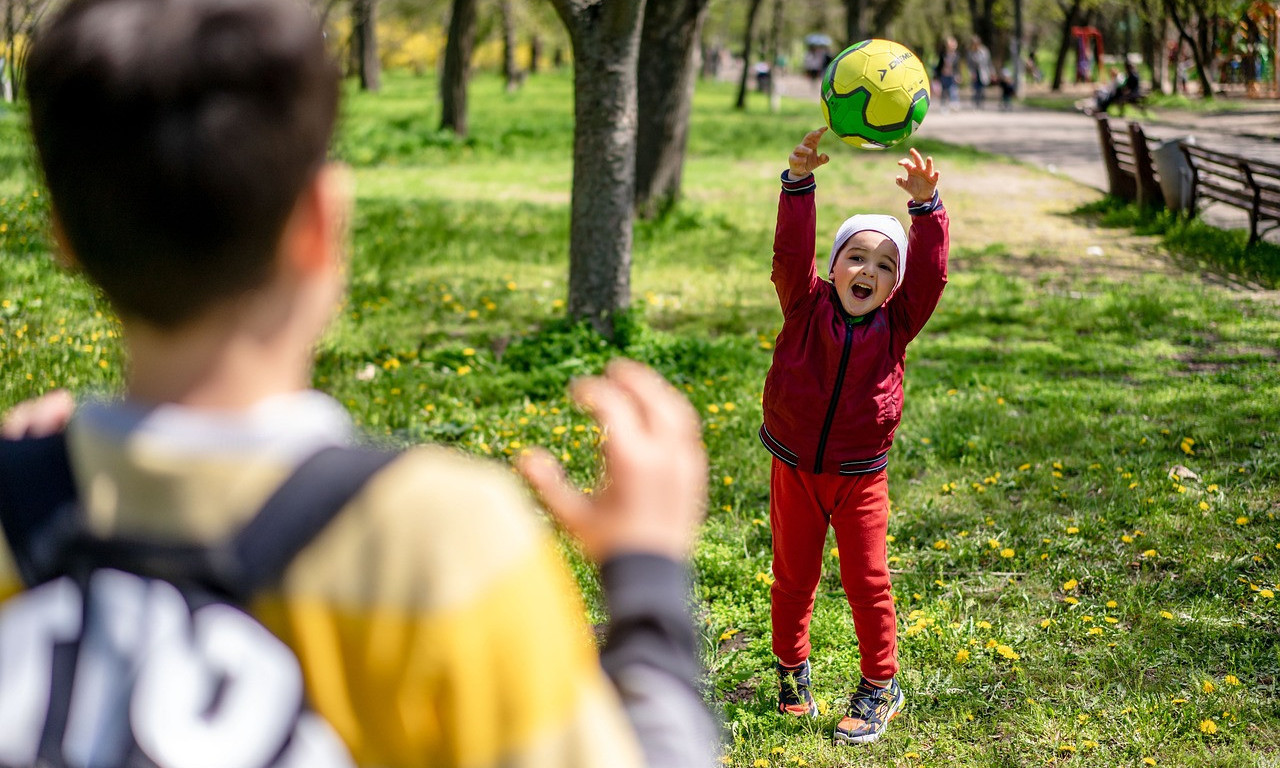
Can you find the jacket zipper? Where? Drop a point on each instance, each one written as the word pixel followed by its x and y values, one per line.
pixel 835 395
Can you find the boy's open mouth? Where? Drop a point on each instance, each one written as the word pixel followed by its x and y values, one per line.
pixel 860 292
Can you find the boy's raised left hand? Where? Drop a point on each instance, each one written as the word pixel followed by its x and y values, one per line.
pixel 921 179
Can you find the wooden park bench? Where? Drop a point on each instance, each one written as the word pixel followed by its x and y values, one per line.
pixel 1250 185
pixel 1131 175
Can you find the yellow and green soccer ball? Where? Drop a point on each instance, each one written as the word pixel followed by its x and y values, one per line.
pixel 875 94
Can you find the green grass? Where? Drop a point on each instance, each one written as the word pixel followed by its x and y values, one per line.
pixel 1193 243
pixel 1062 599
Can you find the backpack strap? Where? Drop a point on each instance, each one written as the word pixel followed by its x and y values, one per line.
pixel 38 512
pixel 296 513
pixel 36 485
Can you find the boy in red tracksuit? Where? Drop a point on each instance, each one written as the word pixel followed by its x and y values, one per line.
pixel 832 400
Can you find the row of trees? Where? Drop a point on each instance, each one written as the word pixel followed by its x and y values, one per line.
pixel 635 64
pixel 634 78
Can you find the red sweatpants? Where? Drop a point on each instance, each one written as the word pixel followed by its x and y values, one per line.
pixel 801 506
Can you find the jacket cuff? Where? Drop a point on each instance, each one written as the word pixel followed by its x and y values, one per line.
pixel 920 209
pixel 649 619
pixel 797 186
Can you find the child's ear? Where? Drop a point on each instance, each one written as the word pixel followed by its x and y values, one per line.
pixel 63 255
pixel 315 236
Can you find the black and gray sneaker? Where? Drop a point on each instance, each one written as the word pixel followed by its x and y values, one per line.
pixel 870 710
pixel 794 697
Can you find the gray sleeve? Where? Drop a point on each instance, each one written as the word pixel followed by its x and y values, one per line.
pixel 650 655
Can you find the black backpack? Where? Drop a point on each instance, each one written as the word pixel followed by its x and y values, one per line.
pixel 137 654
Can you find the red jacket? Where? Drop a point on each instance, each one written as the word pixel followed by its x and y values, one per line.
pixel 833 396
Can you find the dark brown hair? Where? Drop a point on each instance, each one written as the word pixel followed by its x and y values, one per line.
pixel 176 137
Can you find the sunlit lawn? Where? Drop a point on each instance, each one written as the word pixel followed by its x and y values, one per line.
pixel 1084 485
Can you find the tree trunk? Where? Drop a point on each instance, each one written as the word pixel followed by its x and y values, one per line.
pixel 509 71
pixel 10 37
pixel 1064 42
pixel 747 39
pixel 1206 89
pixel 535 53
pixel 1151 50
pixel 457 67
pixel 982 14
pixel 853 29
pixel 365 41
pixel 665 80
pixel 606 46
pixel 885 14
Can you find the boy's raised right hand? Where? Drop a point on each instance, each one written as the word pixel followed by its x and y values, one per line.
pixel 805 157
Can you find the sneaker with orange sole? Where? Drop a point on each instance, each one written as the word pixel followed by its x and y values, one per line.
pixel 794 697
pixel 870 710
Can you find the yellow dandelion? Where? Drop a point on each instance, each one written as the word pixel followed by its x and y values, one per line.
pixel 1006 553
pixel 1212 487
pixel 728 480
pixel 1069 585
pixel 1066 748
pixel 1242 520
pixel 729 407
pixel 1024 467
pixel 1073 529
pixel 962 656
pixel 1208 726
pixel 1231 680
pixel 463 370
pixel 1111 619
pixel 1208 687
pixel 1111 603
pixel 1148 761
pixel 1070 600
pixel 1150 553
pixel 940 544
pixel 777 751
pixel 713 408
pixel 1088 744
pixel 761 763
pixel 728 633
pixel 1127 539
pixel 1266 593
pixel 1007 652
pixel 984 625
pixel 1044 624
pixel 835 552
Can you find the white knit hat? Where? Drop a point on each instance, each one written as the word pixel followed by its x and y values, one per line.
pixel 889 226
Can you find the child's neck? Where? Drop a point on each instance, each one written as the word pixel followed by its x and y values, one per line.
pixel 215 364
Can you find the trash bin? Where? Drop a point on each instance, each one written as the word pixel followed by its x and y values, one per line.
pixel 1175 173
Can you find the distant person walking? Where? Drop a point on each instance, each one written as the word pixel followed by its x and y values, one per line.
pixel 947 70
pixel 979 70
